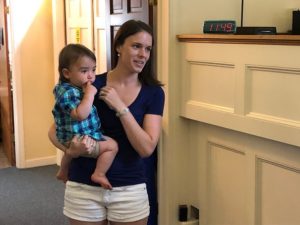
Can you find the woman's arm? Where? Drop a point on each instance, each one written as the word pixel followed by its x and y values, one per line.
pixel 53 139
pixel 78 145
pixel 143 139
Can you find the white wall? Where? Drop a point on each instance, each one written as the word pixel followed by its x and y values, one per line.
pixel 189 15
pixel 276 13
pixel 183 162
pixel 32 71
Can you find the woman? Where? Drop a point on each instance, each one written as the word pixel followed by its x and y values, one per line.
pixel 131 104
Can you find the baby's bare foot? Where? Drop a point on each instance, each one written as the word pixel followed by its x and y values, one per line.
pixel 61 175
pixel 102 180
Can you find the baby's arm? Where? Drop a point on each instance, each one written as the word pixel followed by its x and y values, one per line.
pixel 84 108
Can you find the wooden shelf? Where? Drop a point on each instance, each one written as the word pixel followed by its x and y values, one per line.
pixel 280 39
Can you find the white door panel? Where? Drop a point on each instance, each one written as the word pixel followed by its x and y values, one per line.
pixel 85 24
pixel 100 35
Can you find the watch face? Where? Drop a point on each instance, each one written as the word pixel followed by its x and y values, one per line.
pixel 219 26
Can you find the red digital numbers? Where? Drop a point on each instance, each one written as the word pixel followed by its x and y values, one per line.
pixel 225 27
pixel 221 26
pixel 229 27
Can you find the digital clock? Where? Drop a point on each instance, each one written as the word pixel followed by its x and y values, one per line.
pixel 219 26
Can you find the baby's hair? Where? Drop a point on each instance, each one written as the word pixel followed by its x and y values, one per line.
pixel 69 55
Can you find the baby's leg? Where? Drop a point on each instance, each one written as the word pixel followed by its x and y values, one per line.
pixel 62 173
pixel 108 151
pixel 101 168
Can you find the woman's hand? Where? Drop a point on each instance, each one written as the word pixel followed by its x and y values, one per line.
pixel 111 98
pixel 143 139
pixel 81 145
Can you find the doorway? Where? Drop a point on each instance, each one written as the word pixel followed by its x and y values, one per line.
pixel 94 23
pixel 7 150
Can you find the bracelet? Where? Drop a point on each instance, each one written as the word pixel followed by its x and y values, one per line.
pixel 122 112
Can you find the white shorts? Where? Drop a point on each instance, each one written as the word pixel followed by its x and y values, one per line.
pixel 94 204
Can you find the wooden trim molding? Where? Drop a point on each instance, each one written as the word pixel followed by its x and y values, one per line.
pixel 280 39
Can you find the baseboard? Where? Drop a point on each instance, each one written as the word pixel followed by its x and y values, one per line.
pixel 44 161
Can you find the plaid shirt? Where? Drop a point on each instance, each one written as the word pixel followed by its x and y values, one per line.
pixel 67 98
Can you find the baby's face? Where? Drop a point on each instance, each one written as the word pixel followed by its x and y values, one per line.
pixel 81 72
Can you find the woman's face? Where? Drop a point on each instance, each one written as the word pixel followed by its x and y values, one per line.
pixel 135 52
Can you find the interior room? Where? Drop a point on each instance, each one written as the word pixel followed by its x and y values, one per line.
pixel 230 143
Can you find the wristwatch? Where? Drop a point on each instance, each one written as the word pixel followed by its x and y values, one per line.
pixel 122 112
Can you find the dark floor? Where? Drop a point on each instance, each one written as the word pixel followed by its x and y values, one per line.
pixel 3 159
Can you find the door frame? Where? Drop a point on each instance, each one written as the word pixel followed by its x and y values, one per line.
pixel 8 134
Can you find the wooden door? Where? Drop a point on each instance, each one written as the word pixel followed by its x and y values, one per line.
pixel 85 24
pixel 6 105
pixel 118 12
pixel 79 22
pixel 94 23
pixel 100 35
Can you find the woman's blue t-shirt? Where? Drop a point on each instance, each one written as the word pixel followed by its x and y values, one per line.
pixel 128 167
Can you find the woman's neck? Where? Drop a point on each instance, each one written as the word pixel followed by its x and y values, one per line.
pixel 120 77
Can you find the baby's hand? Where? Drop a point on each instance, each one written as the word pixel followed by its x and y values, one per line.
pixel 88 88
